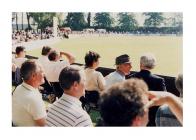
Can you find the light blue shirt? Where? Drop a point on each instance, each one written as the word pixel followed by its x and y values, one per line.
pixel 114 77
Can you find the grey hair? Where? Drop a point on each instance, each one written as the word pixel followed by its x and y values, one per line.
pixel 148 61
pixel 28 68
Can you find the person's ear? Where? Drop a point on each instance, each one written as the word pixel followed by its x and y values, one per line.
pixel 75 84
pixel 141 66
pixel 136 121
pixel 33 76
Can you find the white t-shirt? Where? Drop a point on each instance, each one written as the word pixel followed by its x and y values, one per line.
pixel 18 61
pixel 94 80
pixel 27 105
pixel 114 77
pixel 44 61
pixel 53 70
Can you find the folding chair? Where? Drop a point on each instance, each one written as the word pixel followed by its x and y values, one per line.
pixel 58 91
pixel 48 93
pixel 16 77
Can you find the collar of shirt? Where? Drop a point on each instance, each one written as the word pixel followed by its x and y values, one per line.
pixel 120 73
pixel 19 59
pixel 90 69
pixel 29 87
pixel 44 58
pixel 145 71
pixel 72 99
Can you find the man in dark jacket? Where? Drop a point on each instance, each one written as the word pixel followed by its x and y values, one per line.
pixel 154 82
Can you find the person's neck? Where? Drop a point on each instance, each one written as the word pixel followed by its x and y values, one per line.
pixel 33 84
pixel 144 68
pixel 120 72
pixel 71 93
pixel 58 59
pixel 92 67
pixel 19 56
pixel 54 60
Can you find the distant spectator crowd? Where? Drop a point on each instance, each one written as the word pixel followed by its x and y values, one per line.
pixel 26 36
pixel 19 36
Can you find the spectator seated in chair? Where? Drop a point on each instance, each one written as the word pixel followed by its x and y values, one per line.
pixel 123 67
pixel 127 104
pixel 67 111
pixel 123 104
pixel 43 59
pixel 54 68
pixel 95 82
pixel 16 65
pixel 154 82
pixel 20 56
pixel 28 108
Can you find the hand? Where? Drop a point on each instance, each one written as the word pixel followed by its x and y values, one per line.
pixel 62 53
pixel 158 98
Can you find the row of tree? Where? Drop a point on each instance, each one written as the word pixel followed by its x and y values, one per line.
pixel 126 21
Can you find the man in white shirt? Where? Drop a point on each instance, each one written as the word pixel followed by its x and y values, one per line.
pixel 43 60
pixel 28 108
pixel 55 65
pixel 20 56
pixel 123 67
pixel 47 92
pixel 67 111
pixel 17 61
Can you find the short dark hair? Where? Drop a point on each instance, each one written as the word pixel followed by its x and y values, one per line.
pixel 19 49
pixel 46 50
pixel 27 69
pixel 52 56
pixel 68 76
pixel 121 103
pixel 179 84
pixel 91 57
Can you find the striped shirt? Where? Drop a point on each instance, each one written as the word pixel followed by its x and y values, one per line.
pixel 67 111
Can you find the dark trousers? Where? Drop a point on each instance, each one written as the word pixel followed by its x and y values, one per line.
pixel 152 116
pixel 57 89
pixel 92 96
